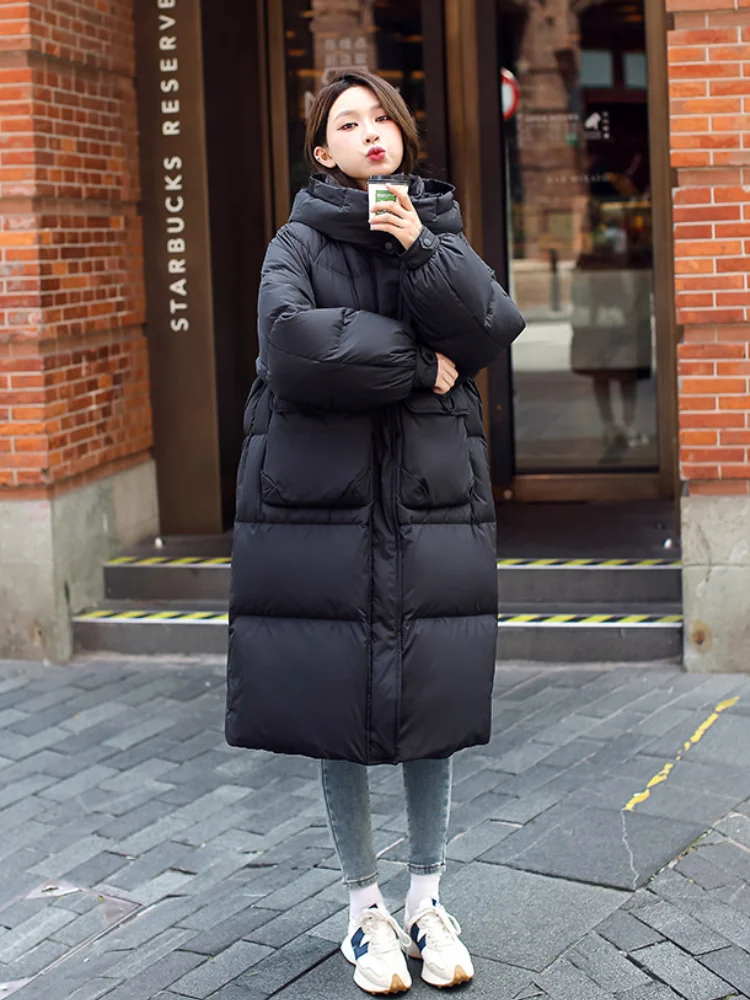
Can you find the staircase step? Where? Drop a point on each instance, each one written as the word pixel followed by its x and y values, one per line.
pixel 597 634
pixel 163 577
pixel 164 628
pixel 615 581
pixel 560 635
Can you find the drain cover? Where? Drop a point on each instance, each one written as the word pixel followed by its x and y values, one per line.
pixel 62 903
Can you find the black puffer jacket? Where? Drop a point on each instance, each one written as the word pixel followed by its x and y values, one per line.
pixel 363 608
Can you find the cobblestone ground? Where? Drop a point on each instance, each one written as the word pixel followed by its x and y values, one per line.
pixel 600 846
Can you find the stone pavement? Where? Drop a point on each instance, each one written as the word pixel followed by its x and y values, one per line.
pixel 600 846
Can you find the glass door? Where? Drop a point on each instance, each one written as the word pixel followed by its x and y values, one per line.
pixel 577 165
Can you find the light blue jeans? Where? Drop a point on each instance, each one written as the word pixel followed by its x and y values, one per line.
pixel 346 792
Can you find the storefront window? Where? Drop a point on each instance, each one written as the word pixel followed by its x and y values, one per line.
pixel 578 177
pixel 323 37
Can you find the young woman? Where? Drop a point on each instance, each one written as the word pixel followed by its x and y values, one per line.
pixel 363 609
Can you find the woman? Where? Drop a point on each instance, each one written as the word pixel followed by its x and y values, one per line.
pixel 363 603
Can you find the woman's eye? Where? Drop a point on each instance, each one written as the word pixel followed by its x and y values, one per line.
pixel 383 118
pixel 346 126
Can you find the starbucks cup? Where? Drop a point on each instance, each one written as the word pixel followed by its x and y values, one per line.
pixel 377 191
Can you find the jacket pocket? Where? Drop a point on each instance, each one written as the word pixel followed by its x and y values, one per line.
pixel 436 457
pixel 316 459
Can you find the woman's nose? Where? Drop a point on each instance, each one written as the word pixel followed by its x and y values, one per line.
pixel 371 135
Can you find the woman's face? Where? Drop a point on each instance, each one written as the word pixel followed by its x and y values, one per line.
pixel 361 140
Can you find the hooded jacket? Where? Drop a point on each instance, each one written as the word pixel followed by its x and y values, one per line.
pixel 363 604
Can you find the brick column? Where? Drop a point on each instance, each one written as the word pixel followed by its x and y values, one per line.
pixel 709 69
pixel 76 474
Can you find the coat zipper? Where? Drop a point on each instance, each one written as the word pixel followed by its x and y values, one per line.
pixel 395 451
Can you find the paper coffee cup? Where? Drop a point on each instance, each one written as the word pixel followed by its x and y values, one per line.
pixel 378 193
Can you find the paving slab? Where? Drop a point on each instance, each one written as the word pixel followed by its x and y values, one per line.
pixel 221 969
pixel 563 981
pixel 333 979
pixel 524 919
pixel 733 965
pixel 117 771
pixel 622 849
pixel 285 965
pixel 606 965
pixel 626 932
pixel 681 928
pixel 678 970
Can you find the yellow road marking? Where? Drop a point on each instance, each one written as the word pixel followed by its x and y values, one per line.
pixel 697 736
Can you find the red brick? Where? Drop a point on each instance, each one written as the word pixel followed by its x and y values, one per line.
pixel 69 140
pixel 735 437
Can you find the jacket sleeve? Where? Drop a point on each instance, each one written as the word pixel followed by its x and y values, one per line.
pixel 334 358
pixel 457 307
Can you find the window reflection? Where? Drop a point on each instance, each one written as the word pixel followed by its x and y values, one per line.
pixel 580 240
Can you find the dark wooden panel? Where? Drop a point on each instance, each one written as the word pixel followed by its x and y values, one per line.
pixel 237 198
pixel 178 278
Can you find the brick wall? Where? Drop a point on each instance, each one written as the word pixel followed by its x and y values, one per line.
pixel 709 72
pixel 74 395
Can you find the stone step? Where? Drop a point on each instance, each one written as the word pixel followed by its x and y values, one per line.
pixel 192 577
pixel 559 634
pixel 615 581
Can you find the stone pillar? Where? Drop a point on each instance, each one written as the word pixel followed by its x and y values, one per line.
pixel 709 70
pixel 76 473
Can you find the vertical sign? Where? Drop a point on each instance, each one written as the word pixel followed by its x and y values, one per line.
pixel 179 307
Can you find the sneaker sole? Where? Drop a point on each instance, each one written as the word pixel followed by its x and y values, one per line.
pixel 397 983
pixel 397 986
pixel 459 976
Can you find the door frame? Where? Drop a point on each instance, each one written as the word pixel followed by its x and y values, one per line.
pixel 476 161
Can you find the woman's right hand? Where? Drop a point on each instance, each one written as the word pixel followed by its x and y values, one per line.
pixel 446 375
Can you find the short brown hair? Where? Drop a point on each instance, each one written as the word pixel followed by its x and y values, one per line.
pixel 391 102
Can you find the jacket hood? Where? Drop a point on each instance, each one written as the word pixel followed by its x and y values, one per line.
pixel 341 213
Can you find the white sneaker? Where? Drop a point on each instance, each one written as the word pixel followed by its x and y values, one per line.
pixel 375 947
pixel 433 937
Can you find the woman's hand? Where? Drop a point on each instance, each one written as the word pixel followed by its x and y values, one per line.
pixel 446 375
pixel 399 218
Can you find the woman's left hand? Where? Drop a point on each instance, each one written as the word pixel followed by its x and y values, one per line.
pixel 399 218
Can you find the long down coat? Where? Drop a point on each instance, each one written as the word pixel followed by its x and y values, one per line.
pixel 363 606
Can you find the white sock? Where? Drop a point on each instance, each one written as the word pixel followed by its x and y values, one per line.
pixel 362 899
pixel 422 887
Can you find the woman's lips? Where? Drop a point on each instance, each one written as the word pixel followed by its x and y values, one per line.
pixel 377 153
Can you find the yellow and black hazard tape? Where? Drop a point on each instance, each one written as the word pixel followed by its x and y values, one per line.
pixel 140 617
pixel 198 562
pixel 190 561
pixel 588 564
pixel 590 621
pixel 175 617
